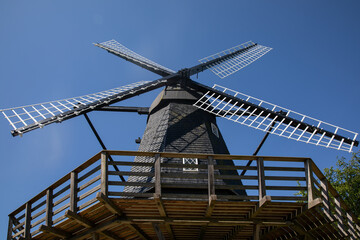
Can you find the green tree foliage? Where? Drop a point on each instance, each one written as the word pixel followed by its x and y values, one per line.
pixel 345 178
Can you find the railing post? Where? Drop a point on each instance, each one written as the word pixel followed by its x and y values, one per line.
pixel 11 223
pixel 309 180
pixel 211 176
pixel 104 173
pixel 49 207
pixel 73 191
pixel 27 221
pixel 157 169
pixel 261 177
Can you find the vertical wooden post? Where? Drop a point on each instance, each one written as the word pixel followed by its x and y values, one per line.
pixel 261 177
pixel 157 169
pixel 49 207
pixel 309 180
pixel 10 227
pixel 73 191
pixel 28 221
pixel 256 232
pixel 104 173
pixel 211 177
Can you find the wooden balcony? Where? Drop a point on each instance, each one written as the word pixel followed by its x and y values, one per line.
pixel 90 202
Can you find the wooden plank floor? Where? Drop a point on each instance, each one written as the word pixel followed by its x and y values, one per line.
pixel 138 218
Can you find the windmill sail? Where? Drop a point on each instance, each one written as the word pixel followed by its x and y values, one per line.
pixel 234 59
pixel 222 64
pixel 258 114
pixel 26 118
pixel 120 50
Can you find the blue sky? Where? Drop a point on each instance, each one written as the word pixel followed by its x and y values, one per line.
pixel 46 53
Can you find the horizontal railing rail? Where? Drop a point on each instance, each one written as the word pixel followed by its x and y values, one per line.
pixel 164 174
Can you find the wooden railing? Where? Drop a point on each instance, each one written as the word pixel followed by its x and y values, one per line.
pixel 275 178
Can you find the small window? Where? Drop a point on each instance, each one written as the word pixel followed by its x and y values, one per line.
pixel 215 130
pixel 190 161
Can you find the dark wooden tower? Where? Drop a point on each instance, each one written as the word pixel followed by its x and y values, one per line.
pixel 175 125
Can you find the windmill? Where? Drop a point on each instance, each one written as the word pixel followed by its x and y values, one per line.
pixel 182 118
pixel 218 100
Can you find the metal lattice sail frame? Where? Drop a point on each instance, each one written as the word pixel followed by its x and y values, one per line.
pixel 261 115
pixel 243 55
pixel 26 118
pixel 120 50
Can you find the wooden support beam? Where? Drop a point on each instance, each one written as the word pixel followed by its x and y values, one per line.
pixel 158 231
pixel 54 231
pixel 315 203
pixel 211 176
pixel 211 205
pixel 160 205
pixel 261 177
pixel 198 221
pixel 169 231
pixel 301 231
pixel 163 213
pixel 49 207
pixel 261 205
pixel 115 210
pixel 234 231
pixel 292 221
pixel 208 213
pixel 79 219
pixel 138 231
pixel 256 232
pixel 88 224
pixel 309 179
pixel 157 169
pixel 96 229
pixel 264 201
pixel 110 235
pixel 104 173
pixel 101 197
pixel 27 221
pixel 323 227
pixel 73 191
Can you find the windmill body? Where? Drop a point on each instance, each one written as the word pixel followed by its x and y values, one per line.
pixel 175 125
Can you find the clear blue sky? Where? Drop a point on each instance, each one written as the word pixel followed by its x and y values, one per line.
pixel 46 53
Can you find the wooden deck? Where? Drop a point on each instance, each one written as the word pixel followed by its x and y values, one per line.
pixel 90 202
